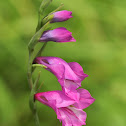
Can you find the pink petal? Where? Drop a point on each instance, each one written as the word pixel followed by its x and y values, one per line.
pixel 70 89
pixel 85 99
pixel 69 73
pixel 60 34
pixel 78 70
pixel 54 66
pixel 60 16
pixel 70 116
pixel 54 99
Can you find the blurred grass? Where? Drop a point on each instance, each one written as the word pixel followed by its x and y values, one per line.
pixel 99 28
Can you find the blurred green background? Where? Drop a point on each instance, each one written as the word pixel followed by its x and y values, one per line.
pixel 99 26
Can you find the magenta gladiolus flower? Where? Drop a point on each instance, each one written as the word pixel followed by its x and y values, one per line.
pixel 60 16
pixel 57 35
pixel 68 110
pixel 69 75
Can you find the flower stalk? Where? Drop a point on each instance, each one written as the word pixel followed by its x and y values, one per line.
pixel 41 27
pixel 43 6
pixel 31 45
pixel 69 102
pixel 36 37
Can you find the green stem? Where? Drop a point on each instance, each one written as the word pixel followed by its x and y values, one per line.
pixel 43 6
pixel 36 119
pixel 33 106
pixel 57 8
pixel 39 54
pixel 33 89
pixel 30 70
pixel 40 17
pixel 33 86
pixel 41 50
pixel 36 37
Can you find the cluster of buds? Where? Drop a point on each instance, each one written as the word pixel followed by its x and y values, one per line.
pixel 69 102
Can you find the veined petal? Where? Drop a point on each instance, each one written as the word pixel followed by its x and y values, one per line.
pixel 54 99
pixel 69 89
pixel 72 116
pixel 85 99
pixel 78 70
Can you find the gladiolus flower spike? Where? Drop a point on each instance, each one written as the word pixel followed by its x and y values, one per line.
pixel 68 110
pixel 70 101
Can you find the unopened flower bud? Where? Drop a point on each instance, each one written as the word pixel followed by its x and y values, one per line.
pixel 57 35
pixel 60 16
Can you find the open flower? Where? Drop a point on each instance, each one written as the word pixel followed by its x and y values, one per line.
pixel 60 16
pixel 68 110
pixel 69 75
pixel 57 35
